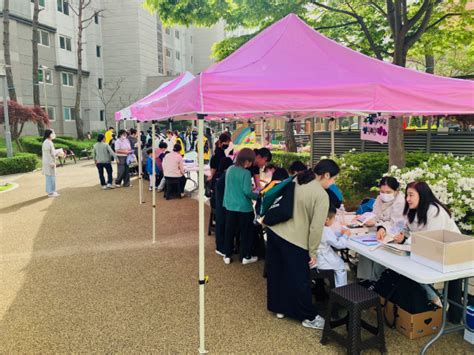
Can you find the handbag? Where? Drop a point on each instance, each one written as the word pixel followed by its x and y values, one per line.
pixel 281 210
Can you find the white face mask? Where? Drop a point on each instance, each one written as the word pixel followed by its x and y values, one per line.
pixel 53 135
pixel 387 197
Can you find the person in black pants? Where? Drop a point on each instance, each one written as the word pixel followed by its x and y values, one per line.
pixel 220 211
pixel 103 155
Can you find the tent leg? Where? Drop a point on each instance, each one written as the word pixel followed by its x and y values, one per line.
pixel 202 277
pixel 332 123
pixel 152 179
pixel 311 139
pixel 263 133
pixel 140 165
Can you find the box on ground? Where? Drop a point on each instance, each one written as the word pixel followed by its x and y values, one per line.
pixel 443 250
pixel 469 336
pixel 413 326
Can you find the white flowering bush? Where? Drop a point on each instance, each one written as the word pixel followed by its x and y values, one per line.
pixel 452 181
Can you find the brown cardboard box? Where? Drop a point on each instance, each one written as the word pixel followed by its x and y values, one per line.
pixel 413 326
pixel 442 250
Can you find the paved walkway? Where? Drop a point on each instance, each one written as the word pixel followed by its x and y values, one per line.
pixel 79 274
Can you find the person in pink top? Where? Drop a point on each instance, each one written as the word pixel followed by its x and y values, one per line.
pixel 173 167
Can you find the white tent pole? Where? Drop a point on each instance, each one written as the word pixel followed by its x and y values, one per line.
pixel 332 123
pixel 140 164
pixel 125 124
pixel 202 277
pixel 152 179
pixel 263 133
pixel 311 139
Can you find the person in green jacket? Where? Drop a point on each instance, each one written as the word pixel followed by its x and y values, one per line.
pixel 238 196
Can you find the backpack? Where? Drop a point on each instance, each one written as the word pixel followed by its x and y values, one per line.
pixel 281 208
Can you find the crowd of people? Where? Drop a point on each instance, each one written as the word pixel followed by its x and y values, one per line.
pixel 294 246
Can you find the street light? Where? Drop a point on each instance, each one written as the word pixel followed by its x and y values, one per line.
pixel 8 136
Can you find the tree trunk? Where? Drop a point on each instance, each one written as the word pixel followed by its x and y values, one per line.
pixel 429 63
pixel 290 136
pixel 36 90
pixel 6 50
pixel 77 106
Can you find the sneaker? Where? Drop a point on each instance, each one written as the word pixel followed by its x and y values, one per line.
pixel 150 188
pixel 250 260
pixel 118 186
pixel 316 323
pixel 219 253
pixel 227 260
pixel 53 194
pixel 110 186
pixel 104 187
pixel 280 315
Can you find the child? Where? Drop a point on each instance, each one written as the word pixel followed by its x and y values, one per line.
pixel 149 168
pixel 327 258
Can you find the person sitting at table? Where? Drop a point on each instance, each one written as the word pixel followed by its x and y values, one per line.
pixel 388 207
pixel 423 213
pixel 173 167
pixel 297 167
pixel 238 198
pixel 220 211
pixel 262 157
pixel 327 258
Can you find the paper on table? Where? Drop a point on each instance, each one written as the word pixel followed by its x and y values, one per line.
pixel 368 239
pixel 367 216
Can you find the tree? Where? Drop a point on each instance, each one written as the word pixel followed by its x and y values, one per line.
pixel 83 21
pixel 19 115
pixel 36 90
pixel 6 50
pixel 107 94
pixel 386 29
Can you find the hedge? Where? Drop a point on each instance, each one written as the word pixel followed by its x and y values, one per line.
pixel 284 159
pixel 20 163
pixel 34 145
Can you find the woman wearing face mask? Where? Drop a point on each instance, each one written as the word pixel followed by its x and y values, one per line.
pixel 388 208
pixel 49 162
pixel 423 212
pixel 292 247
pixel 219 153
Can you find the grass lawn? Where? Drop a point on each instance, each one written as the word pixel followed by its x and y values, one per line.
pixel 5 187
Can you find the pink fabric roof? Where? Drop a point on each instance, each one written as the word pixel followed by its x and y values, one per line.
pixel 159 93
pixel 289 67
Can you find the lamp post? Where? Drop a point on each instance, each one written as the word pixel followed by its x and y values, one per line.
pixel 8 136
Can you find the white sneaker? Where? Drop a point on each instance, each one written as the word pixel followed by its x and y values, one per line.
pixel 150 188
pixel 53 194
pixel 253 259
pixel 219 253
pixel 280 315
pixel 110 186
pixel 104 187
pixel 227 260
pixel 316 323
pixel 118 186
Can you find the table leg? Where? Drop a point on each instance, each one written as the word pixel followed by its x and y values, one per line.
pixel 443 321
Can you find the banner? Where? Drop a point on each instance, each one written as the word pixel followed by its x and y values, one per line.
pixel 374 128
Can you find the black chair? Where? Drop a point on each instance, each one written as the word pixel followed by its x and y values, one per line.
pixel 212 222
pixel 354 298
pixel 172 187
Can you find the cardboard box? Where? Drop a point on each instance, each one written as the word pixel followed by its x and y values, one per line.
pixel 413 326
pixel 443 250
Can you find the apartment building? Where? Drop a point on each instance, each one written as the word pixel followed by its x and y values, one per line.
pixel 125 46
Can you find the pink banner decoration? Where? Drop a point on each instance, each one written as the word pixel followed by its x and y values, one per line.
pixel 374 128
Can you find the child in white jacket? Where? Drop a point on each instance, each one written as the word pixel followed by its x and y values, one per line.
pixel 327 257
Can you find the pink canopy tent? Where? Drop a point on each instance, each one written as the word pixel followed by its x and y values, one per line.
pixel 291 70
pixel 290 67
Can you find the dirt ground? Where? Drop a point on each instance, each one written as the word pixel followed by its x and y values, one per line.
pixel 79 274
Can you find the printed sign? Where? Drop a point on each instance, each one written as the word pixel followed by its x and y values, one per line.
pixel 374 128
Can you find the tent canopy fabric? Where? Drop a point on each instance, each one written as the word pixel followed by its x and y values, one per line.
pixel 290 67
pixel 163 90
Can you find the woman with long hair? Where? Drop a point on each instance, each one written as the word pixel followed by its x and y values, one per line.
pixel 292 247
pixel 49 162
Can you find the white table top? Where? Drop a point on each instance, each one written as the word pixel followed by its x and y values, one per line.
pixel 407 267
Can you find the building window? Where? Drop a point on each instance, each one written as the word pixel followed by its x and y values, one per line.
pixel 98 51
pixel 96 18
pixel 65 43
pixel 43 38
pixel 68 114
pixel 169 73
pixel 40 2
pixel 99 83
pixel 51 112
pixel 45 75
pixel 176 34
pixel 168 52
pixel 178 55
pixel 63 7
pixel 102 115
pixel 167 31
pixel 67 79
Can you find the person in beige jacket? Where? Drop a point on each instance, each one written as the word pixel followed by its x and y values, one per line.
pixel 292 247
pixel 49 162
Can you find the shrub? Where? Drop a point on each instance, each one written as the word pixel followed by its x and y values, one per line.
pixel 284 159
pixel 75 145
pixel 20 163
pixel 34 145
pixel 3 152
